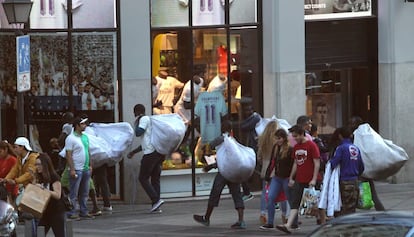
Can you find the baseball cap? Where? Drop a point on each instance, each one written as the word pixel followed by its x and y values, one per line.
pixel 22 141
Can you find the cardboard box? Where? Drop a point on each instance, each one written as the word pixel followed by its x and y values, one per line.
pixel 34 200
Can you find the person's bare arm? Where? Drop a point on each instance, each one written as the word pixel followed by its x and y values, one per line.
pixel 71 165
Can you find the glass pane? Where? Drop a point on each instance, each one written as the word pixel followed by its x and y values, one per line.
pixel 8 86
pixel 243 11
pixel 49 94
pixel 324 101
pixel 208 12
pixel 48 14
pixel 94 14
pixel 166 13
pixel 94 77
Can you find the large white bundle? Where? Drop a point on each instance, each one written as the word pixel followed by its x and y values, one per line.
pixel 98 150
pixel 382 158
pixel 235 162
pixel 119 136
pixel 107 142
pixel 168 131
pixel 261 125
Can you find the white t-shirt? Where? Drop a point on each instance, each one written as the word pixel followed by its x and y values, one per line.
pixel 74 143
pixel 145 123
pixel 217 85
pixel 167 91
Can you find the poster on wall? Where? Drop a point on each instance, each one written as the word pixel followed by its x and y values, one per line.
pixel 324 112
pixel 333 9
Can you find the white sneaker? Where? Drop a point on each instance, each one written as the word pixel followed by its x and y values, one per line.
pixel 107 208
pixel 157 205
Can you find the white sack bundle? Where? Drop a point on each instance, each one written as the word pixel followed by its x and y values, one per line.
pixel 235 162
pixel 261 125
pixel 168 131
pixel 107 142
pixel 119 136
pixel 381 157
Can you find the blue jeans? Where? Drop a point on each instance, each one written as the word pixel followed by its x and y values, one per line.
pixel 263 203
pixel 79 187
pixel 277 185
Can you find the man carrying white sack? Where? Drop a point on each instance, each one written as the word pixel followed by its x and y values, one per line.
pixel 151 163
pixel 219 183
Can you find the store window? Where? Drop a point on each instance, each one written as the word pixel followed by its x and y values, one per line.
pixel 220 62
pixel 67 60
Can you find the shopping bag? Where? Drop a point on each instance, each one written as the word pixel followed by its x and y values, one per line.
pixel 381 157
pixel 365 197
pixel 235 162
pixel 168 131
pixel 309 202
pixel 34 200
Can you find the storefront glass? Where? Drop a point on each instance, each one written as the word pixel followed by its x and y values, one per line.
pixel 223 64
pixel 65 62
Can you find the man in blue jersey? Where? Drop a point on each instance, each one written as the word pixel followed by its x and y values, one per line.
pixel 348 156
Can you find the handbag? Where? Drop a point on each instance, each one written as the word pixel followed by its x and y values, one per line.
pixel 67 202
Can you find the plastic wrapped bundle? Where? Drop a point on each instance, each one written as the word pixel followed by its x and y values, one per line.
pixel 382 158
pixel 118 136
pixel 168 131
pixel 235 162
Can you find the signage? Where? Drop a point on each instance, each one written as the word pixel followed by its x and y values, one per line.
pixel 334 9
pixel 23 63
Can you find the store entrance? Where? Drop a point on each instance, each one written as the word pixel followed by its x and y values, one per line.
pixel 333 96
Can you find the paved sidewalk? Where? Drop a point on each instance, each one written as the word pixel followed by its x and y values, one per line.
pixel 176 218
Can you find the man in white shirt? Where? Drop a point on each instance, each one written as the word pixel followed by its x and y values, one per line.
pixel 80 167
pixel 151 161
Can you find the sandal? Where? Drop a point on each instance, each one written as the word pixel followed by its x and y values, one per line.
pixel 283 228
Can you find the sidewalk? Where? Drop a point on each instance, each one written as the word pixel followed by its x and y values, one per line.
pixel 176 218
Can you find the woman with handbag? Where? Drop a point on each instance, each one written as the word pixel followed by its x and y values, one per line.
pixel 54 215
pixel 281 165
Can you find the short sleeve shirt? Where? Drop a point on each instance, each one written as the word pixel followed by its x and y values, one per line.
pixel 304 154
pixel 145 123
pixel 80 150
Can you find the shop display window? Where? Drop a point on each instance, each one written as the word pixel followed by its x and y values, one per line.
pixel 94 77
pixel 323 91
pixel 216 66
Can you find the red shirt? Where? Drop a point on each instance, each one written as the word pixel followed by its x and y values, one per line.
pixel 5 166
pixel 303 154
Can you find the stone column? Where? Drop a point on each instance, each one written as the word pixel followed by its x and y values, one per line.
pixel 284 59
pixel 136 87
pixel 396 76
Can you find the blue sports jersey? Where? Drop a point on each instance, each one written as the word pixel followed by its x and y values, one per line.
pixel 210 107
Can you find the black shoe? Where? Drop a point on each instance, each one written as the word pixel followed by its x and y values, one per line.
pixel 266 227
pixel 283 228
pixel 201 219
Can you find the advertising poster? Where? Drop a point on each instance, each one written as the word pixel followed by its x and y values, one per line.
pixel 332 9
pixel 324 112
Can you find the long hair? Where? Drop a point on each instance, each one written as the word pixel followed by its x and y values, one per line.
pixel 47 169
pixel 284 148
pixel 8 147
pixel 265 143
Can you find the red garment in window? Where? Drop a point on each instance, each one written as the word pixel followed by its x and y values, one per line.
pixel 222 59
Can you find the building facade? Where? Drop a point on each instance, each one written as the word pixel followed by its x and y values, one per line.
pixel 290 57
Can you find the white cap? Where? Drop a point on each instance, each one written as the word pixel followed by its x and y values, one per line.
pixel 22 141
